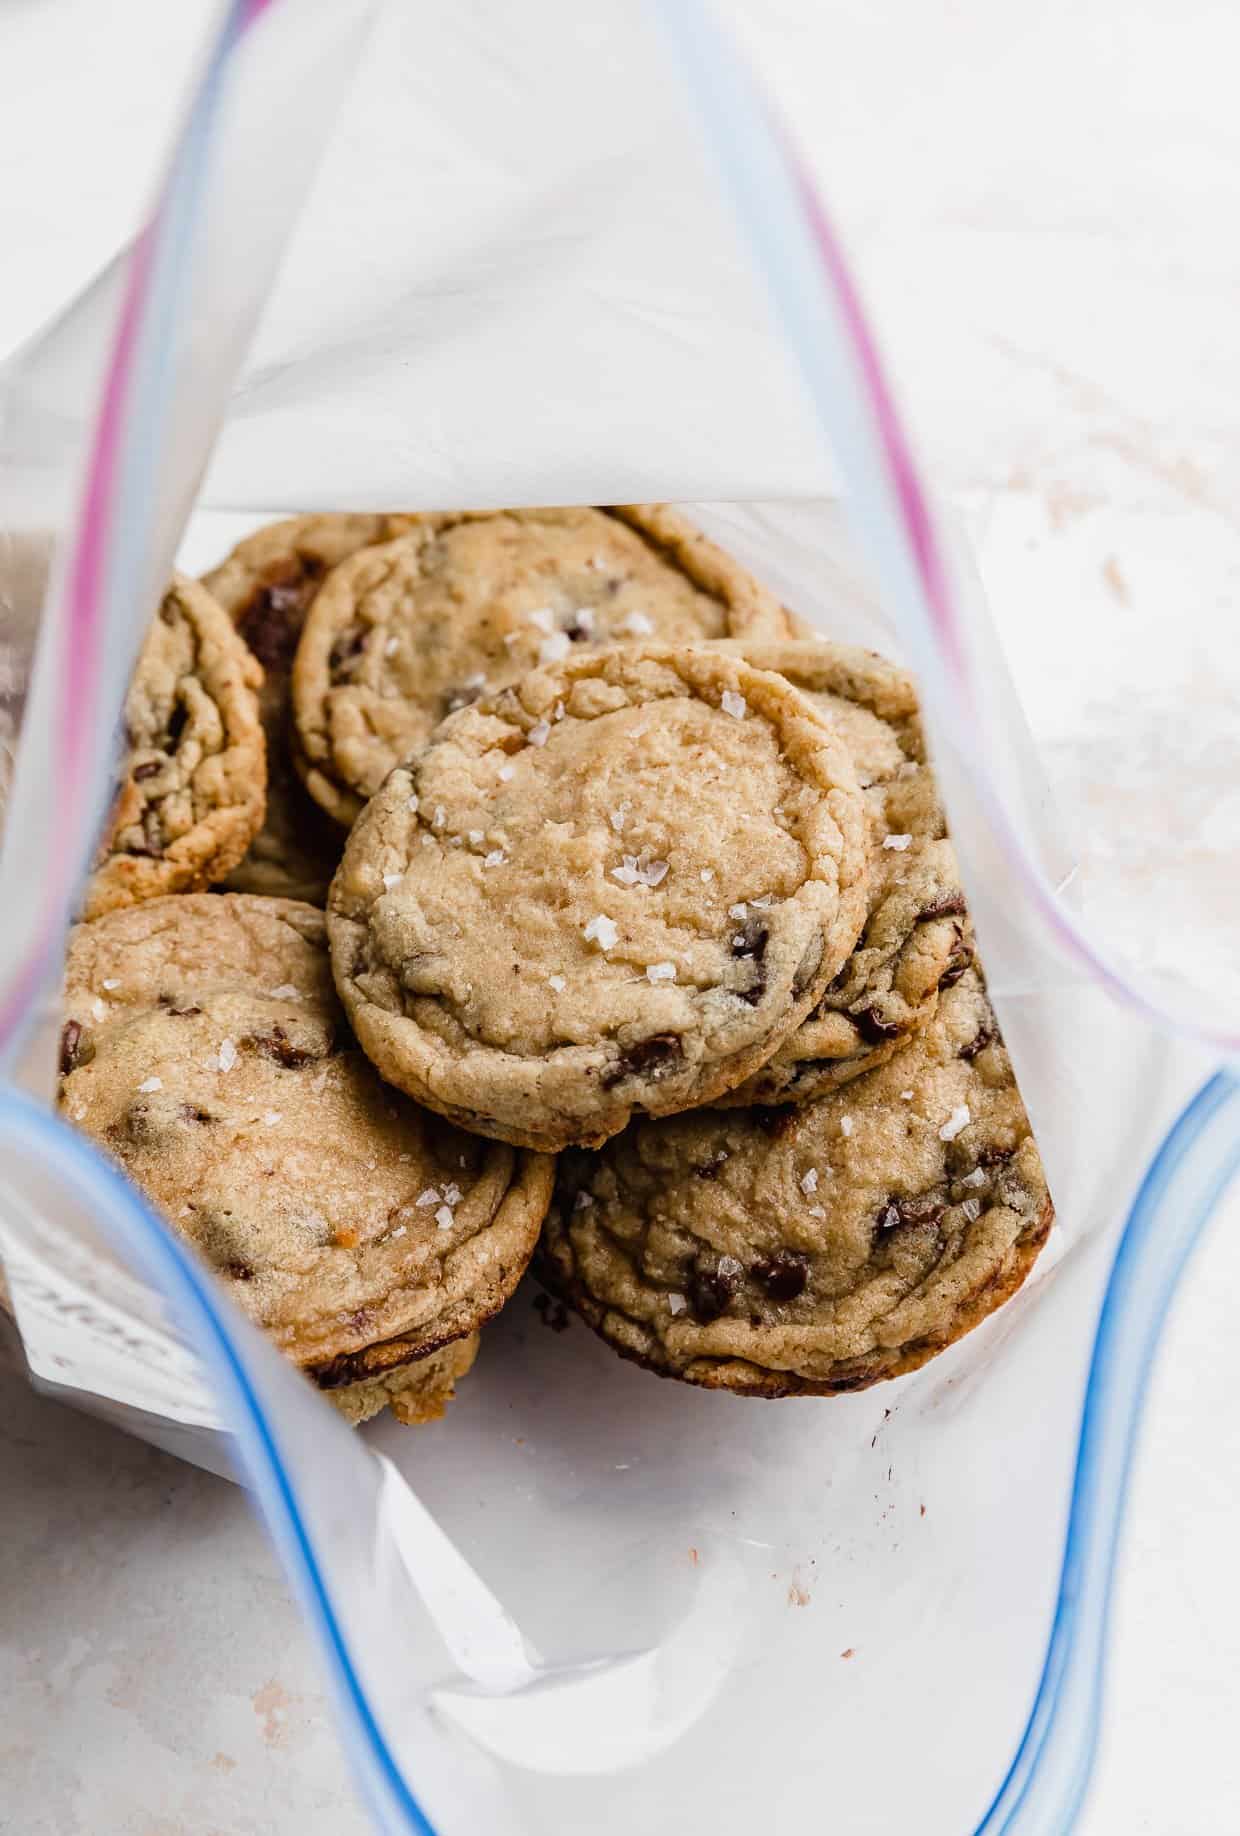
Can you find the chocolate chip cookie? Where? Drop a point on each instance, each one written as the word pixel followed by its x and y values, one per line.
pixel 204 1048
pixel 402 634
pixel 805 1251
pixel 194 778
pixel 266 586
pixel 917 937
pixel 613 887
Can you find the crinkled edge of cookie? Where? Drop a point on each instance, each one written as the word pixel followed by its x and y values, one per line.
pixel 216 842
pixel 836 1044
pixel 493 1266
pixel 520 1107
pixel 752 610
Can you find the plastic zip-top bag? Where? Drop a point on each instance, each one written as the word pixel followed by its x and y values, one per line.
pixel 586 1599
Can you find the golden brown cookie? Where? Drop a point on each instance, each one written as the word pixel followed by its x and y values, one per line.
pixel 192 794
pixel 810 1250
pixel 613 887
pixel 204 1047
pixel 402 634
pixel 917 938
pixel 266 586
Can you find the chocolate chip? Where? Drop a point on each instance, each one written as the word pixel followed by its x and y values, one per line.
pixel 985 1036
pixel 553 1313
pixel 346 649
pixel 947 905
pixel 783 1275
pixel 960 959
pixel 238 1271
pixel 774 1121
pixel 873 1028
pixel 178 1013
pixel 190 1112
pixel 150 770
pixel 651 1058
pixel 709 1289
pixel 576 631
pixel 994 1156
pixel 751 940
pixel 277 1046
pixel 360 1320
pixel 176 726
pixel 70 1040
pixel 709 1169
pixel 921 1208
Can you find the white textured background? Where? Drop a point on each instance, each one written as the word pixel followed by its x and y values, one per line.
pixel 1043 205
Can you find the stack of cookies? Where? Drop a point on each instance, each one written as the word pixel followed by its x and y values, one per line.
pixel 569 902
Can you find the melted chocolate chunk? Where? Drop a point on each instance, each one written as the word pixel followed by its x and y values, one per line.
pixel 960 959
pixel 986 1035
pixel 178 1013
pixel 346 650
pixel 650 1058
pixel 277 1046
pixel 751 940
pixel 271 623
pixel 709 1290
pixel 149 770
pixel 947 905
pixel 783 1275
pixel 176 726
pixel 873 1028
pixel 70 1042
pixel 709 1169
pixel 190 1112
pixel 238 1271
pixel 921 1208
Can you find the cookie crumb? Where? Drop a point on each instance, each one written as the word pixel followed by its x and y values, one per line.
pixel 850 1651
pixel 958 1120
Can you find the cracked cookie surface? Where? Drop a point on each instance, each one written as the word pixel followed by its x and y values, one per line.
pixel 193 787
pixel 403 634
pixel 205 1050
pixel 816 1249
pixel 266 586
pixel 615 886
pixel 917 937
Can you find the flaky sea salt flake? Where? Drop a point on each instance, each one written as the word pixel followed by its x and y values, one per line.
pixel 504 773
pixel 676 1303
pixel 816 1211
pixel 495 858
pixel 618 817
pixel 390 880
pixel 542 618
pixel 976 1178
pixel 733 704
pixel 475 836
pixel 151 1083
pixel 411 804
pixel 809 1181
pixel 602 930
pixel 626 872
pixel 660 972
pixel 636 625
pixel 972 1209
pixel 271 1117
pixel 452 1194
pixel 898 842
pixel 444 1218
pixel 582 1202
pixel 429 1197
pixel 228 1055
pixel 286 992
pixel 111 981
pixel 555 648
pixel 557 982
pixel 539 733
pixel 959 1119
pixel 846 1125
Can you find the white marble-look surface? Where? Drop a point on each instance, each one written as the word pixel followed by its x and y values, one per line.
pixel 1042 202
